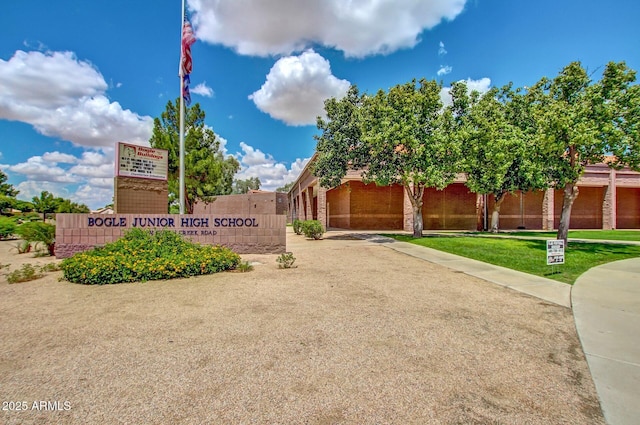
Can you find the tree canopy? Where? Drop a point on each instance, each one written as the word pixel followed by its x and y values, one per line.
pixel 401 136
pixel 244 186
pixel 285 188
pixel 6 189
pixel 207 172
pixel 499 155
pixel 45 203
pixel 504 141
pixel 580 122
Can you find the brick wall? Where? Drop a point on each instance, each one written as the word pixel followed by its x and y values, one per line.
pixel 628 208
pixel 376 207
pixel 137 195
pixel 453 208
pixel 520 210
pixel 339 207
pixel 249 203
pixel 586 212
pixel 257 233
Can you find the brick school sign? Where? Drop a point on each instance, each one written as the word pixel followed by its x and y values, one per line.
pixel 256 234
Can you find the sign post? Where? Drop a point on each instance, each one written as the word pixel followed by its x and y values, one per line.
pixel 555 252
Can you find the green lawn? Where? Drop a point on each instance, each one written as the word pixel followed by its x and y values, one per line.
pixel 528 256
pixel 611 235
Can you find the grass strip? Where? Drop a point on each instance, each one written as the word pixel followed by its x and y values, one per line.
pixel 528 256
pixel 610 235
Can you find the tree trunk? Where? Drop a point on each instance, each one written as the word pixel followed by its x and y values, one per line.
pixel 570 195
pixel 418 225
pixel 415 196
pixel 495 214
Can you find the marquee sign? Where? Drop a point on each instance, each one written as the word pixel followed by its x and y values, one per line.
pixel 142 162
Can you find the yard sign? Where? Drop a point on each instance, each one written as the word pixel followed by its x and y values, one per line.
pixel 555 252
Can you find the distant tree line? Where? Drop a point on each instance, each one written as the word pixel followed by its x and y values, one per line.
pixel 506 140
pixel 46 203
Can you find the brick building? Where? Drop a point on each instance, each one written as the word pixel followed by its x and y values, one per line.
pixel 608 199
pixel 254 202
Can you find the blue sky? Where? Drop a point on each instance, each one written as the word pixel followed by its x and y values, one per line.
pixel 78 76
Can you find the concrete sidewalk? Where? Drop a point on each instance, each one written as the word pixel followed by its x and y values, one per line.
pixel 606 307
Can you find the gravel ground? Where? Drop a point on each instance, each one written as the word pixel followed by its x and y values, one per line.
pixel 356 334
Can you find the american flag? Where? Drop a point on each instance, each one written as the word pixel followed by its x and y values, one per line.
pixel 187 40
pixel 187 64
pixel 185 89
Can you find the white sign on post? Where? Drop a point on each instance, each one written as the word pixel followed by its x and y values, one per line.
pixel 141 161
pixel 555 252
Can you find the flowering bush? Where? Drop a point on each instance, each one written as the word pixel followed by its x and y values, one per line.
pixel 143 255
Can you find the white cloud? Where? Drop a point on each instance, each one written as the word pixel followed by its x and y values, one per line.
pixel 61 96
pixel 444 70
pixel 358 27
pixel 481 86
pixel 297 87
pixel 57 157
pixel 441 49
pixel 87 179
pixel 203 90
pixel 102 171
pixel 93 195
pixel 272 174
pixel 39 169
pixel 30 188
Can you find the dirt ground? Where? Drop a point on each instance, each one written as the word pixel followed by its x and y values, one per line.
pixel 356 334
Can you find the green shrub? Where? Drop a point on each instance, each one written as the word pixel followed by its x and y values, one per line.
pixel 244 267
pixel 25 274
pixel 312 229
pixel 144 255
pixel 286 260
pixel 39 232
pixel 7 227
pixel 297 227
pixel 23 247
pixel 32 216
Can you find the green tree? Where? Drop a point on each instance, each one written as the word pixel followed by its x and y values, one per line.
pixel 244 186
pixel 498 148
pixel 45 204
pixel 7 193
pixel 403 136
pixel 286 188
pixel 580 122
pixel 6 202
pixel 24 206
pixel 6 189
pixel 207 172
pixel 67 206
pixel 410 141
pixel 340 146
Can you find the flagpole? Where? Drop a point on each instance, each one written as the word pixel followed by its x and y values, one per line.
pixel 181 74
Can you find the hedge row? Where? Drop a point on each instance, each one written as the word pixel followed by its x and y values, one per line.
pixel 144 255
